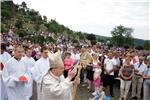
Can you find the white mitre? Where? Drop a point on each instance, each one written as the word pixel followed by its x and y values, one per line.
pixel 55 60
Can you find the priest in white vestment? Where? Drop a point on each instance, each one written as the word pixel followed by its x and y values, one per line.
pixel 54 85
pixel 16 77
pixel 29 63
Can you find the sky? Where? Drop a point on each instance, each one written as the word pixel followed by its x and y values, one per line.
pixel 97 16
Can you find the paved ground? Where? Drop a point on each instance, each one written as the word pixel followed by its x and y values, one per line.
pixel 84 94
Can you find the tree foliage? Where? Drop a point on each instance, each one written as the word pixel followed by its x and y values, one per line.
pixel 139 47
pixel 44 18
pixel 92 38
pixel 24 5
pixel 122 36
pixel 21 33
pixel 7 9
pixel 19 22
pixel 147 45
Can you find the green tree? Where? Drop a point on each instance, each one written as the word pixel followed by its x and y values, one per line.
pixel 139 47
pixel 24 5
pixel 4 29
pixel 92 38
pixel 53 26
pixel 44 18
pixel 38 38
pixel 8 10
pixel 32 12
pixel 19 23
pixel 147 45
pixel 21 32
pixel 129 41
pixel 122 36
pixel 72 35
pixel 6 14
pixel 36 27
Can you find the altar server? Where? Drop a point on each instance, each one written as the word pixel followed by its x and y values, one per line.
pixel 16 77
pixel 40 69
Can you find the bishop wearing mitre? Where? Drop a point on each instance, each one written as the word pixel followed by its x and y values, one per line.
pixel 54 85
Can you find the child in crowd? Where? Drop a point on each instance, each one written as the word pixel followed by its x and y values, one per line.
pixel 97 73
pixel 99 94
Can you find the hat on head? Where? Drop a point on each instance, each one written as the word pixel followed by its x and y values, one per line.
pixel 55 60
pixel 148 57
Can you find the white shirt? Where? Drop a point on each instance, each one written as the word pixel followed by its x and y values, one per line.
pixel 41 67
pixel 16 89
pixel 56 88
pixel 72 55
pixel 140 68
pixel 77 56
pixel 92 52
pixel 109 65
pixel 116 61
pixel 147 72
pixel 97 72
pixel 29 62
pixel 5 56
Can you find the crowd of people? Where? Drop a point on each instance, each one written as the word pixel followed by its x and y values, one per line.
pixel 52 67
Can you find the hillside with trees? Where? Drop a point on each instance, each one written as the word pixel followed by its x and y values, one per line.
pixel 25 21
